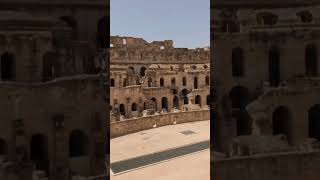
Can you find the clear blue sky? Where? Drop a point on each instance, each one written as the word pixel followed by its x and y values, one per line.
pixel 186 22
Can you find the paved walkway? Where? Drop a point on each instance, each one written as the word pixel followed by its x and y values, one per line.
pixel 162 144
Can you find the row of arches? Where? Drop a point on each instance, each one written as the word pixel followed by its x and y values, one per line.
pixel 125 82
pixel 164 104
pixel 281 116
pixel 311 63
pixel 184 82
pixel 78 145
pixel 39 150
pixel 51 67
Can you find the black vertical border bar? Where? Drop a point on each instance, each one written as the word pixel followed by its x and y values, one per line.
pixel 108 92
pixel 104 49
pixel 213 94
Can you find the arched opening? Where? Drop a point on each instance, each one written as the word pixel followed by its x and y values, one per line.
pixel 274 67
pixel 143 71
pixel 197 100
pixel 78 144
pixel 311 60
pixel 161 82
pixel 122 109
pixel 239 99
pixel 176 102
pixel 267 18
pixel 305 16
pixel 207 81
pixel 164 103
pixel 39 152
pixel 8 67
pixel 195 82
pixel 237 62
pixel 50 66
pixel 103 32
pixel 208 99
pixel 3 147
pixel 281 120
pixel 72 23
pixel 173 82
pixel 185 100
pixel 125 82
pixel 314 122
pixel 134 107
pixel 112 83
pixel 153 103
pixel 150 83
pixel 184 81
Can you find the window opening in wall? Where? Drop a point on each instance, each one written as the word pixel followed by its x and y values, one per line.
pixel 8 67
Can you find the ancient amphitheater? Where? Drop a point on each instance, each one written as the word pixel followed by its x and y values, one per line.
pixel 159 112
pixel 266 85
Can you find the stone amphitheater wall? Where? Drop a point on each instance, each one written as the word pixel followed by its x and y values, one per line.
pixel 121 128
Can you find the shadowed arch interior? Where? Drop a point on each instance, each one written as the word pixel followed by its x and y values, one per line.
pixel 239 99
pixel 78 144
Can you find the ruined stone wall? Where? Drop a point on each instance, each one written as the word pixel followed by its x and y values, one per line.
pixel 293 166
pixel 256 32
pixel 137 50
pixel 135 125
pixel 78 99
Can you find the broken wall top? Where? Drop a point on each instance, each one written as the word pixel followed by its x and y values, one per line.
pixel 138 50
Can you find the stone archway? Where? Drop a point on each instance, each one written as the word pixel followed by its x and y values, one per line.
pixel 281 122
pixel 39 152
pixel 314 121
pixel 239 99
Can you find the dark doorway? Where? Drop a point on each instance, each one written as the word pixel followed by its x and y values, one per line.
pixel 164 103
pixel 161 82
pixel 195 83
pixel 207 81
pixel 3 147
pixel 134 107
pixel 184 81
pixel 112 82
pixel 176 102
pixel 239 99
pixel 143 71
pixel 198 100
pixel 237 62
pixel 274 67
pixel 314 122
pixel 311 60
pixel 39 152
pixel 122 109
pixel 8 67
pixel 281 120
pixel 78 144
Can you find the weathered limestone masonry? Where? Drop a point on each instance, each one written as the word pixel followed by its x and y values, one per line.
pixel 156 77
pixel 52 110
pixel 266 108
pixel 121 128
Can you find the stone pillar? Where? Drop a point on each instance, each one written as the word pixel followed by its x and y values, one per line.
pixel 60 166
